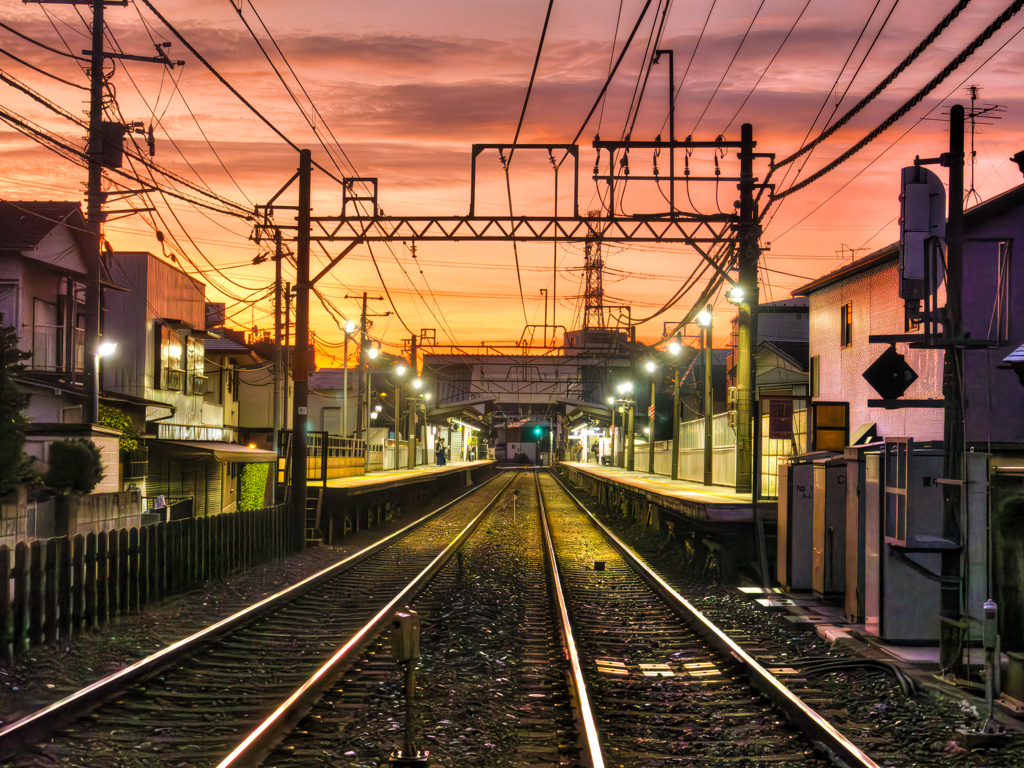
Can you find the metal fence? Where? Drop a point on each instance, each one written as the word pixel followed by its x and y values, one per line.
pixel 691 451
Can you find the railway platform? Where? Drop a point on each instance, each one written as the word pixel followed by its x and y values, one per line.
pixel 715 504
pixel 347 505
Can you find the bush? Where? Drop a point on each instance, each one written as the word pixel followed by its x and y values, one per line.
pixel 254 484
pixel 112 417
pixel 75 465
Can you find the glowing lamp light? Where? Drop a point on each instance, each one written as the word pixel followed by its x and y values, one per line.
pixel 417 383
pixel 647 430
pixel 704 318
pixel 378 408
pixel 372 353
pixel 735 294
pixel 626 386
pixel 252 445
pixel 611 401
pixel 400 370
pixel 374 414
pixel 106 349
pixel 675 348
pixel 427 396
pixel 350 327
pixel 651 366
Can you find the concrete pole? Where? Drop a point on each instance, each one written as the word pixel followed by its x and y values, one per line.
pixel 952 394
pixel 675 425
pixel 747 321
pixel 300 356
pixel 630 463
pixel 650 428
pixel 709 406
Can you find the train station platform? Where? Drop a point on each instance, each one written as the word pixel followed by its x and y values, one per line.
pixel 715 504
pixel 395 478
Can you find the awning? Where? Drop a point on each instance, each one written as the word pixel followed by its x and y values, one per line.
pixel 241 454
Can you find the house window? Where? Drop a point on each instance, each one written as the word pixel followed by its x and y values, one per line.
pixel 170 360
pixel 195 381
pixel 815 375
pixel 846 325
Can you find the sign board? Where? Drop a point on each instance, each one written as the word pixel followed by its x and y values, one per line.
pixel 922 215
pixel 303 410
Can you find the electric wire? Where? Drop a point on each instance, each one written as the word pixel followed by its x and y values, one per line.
pixel 900 112
pixel 41 45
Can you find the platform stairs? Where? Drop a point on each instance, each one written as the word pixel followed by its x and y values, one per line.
pixel 314 508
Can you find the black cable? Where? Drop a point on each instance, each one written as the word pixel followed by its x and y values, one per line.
pixel 731 61
pixel 932 84
pixel 769 66
pixel 43 71
pixel 42 45
pixel 533 75
pixel 907 61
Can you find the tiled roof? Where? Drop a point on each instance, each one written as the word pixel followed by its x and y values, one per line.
pixel 23 224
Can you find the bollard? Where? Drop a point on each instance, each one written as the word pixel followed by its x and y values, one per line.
pixel 405 648
pixel 515 498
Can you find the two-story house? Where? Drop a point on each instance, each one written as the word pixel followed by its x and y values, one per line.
pixel 160 328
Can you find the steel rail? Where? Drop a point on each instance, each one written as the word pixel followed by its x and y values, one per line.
pixel 258 745
pixel 840 749
pixel 577 683
pixel 38 725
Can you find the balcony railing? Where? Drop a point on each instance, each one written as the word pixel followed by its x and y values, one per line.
pixel 48 349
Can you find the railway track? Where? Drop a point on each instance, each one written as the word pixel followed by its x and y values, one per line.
pixel 595 662
pixel 195 700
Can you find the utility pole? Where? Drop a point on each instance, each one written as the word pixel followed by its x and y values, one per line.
pixel 709 407
pixel 300 356
pixel 950 628
pixel 286 362
pixel 364 390
pixel 411 435
pixel 100 154
pixel 675 423
pixel 277 352
pixel 747 310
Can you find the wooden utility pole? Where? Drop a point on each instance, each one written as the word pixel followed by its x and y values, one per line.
pixel 950 628
pixel 300 355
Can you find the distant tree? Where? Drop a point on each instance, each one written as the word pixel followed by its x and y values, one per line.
pixel 75 465
pixel 14 464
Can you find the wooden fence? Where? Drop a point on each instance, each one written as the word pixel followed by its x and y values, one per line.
pixel 52 589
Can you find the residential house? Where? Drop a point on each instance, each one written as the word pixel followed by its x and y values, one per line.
pixel 195 462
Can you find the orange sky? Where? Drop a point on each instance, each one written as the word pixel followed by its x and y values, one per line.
pixel 407 86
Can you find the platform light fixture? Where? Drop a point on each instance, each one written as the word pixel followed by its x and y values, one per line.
pixel 735 294
pixel 374 415
pixel 378 408
pixel 624 387
pixel 417 383
pixel 611 401
pixel 350 327
pixel 400 370
pixel 704 318
pixel 372 353
pixel 107 348
pixel 651 366
pixel 675 347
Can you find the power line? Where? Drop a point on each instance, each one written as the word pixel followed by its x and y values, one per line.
pixel 932 84
pixel 896 72
pixel 42 45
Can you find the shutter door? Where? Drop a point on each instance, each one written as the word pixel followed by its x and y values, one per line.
pixel 214 490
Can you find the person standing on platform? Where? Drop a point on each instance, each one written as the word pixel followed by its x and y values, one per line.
pixel 439 452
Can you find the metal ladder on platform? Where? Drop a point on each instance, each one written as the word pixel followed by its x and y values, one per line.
pixel 314 506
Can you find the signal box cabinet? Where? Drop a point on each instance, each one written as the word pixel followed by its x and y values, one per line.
pixel 828 566
pixel 901 602
pixel 855 529
pixel 796 521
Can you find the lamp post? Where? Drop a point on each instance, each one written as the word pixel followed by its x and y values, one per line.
pixel 626 388
pixel 704 319
pixel 370 354
pixel 651 369
pixel 350 327
pixel 611 402
pixel 417 384
pixel 399 372
pixel 674 349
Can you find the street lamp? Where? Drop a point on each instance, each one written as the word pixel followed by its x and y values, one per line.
pixel 106 349
pixel 350 328
pixel 651 368
pixel 626 389
pixel 704 319
pixel 735 295
pixel 399 372
pixel 413 434
pixel 675 349
pixel 370 353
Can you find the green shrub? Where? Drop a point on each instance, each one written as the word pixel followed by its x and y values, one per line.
pixel 14 464
pixel 75 465
pixel 116 419
pixel 254 484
